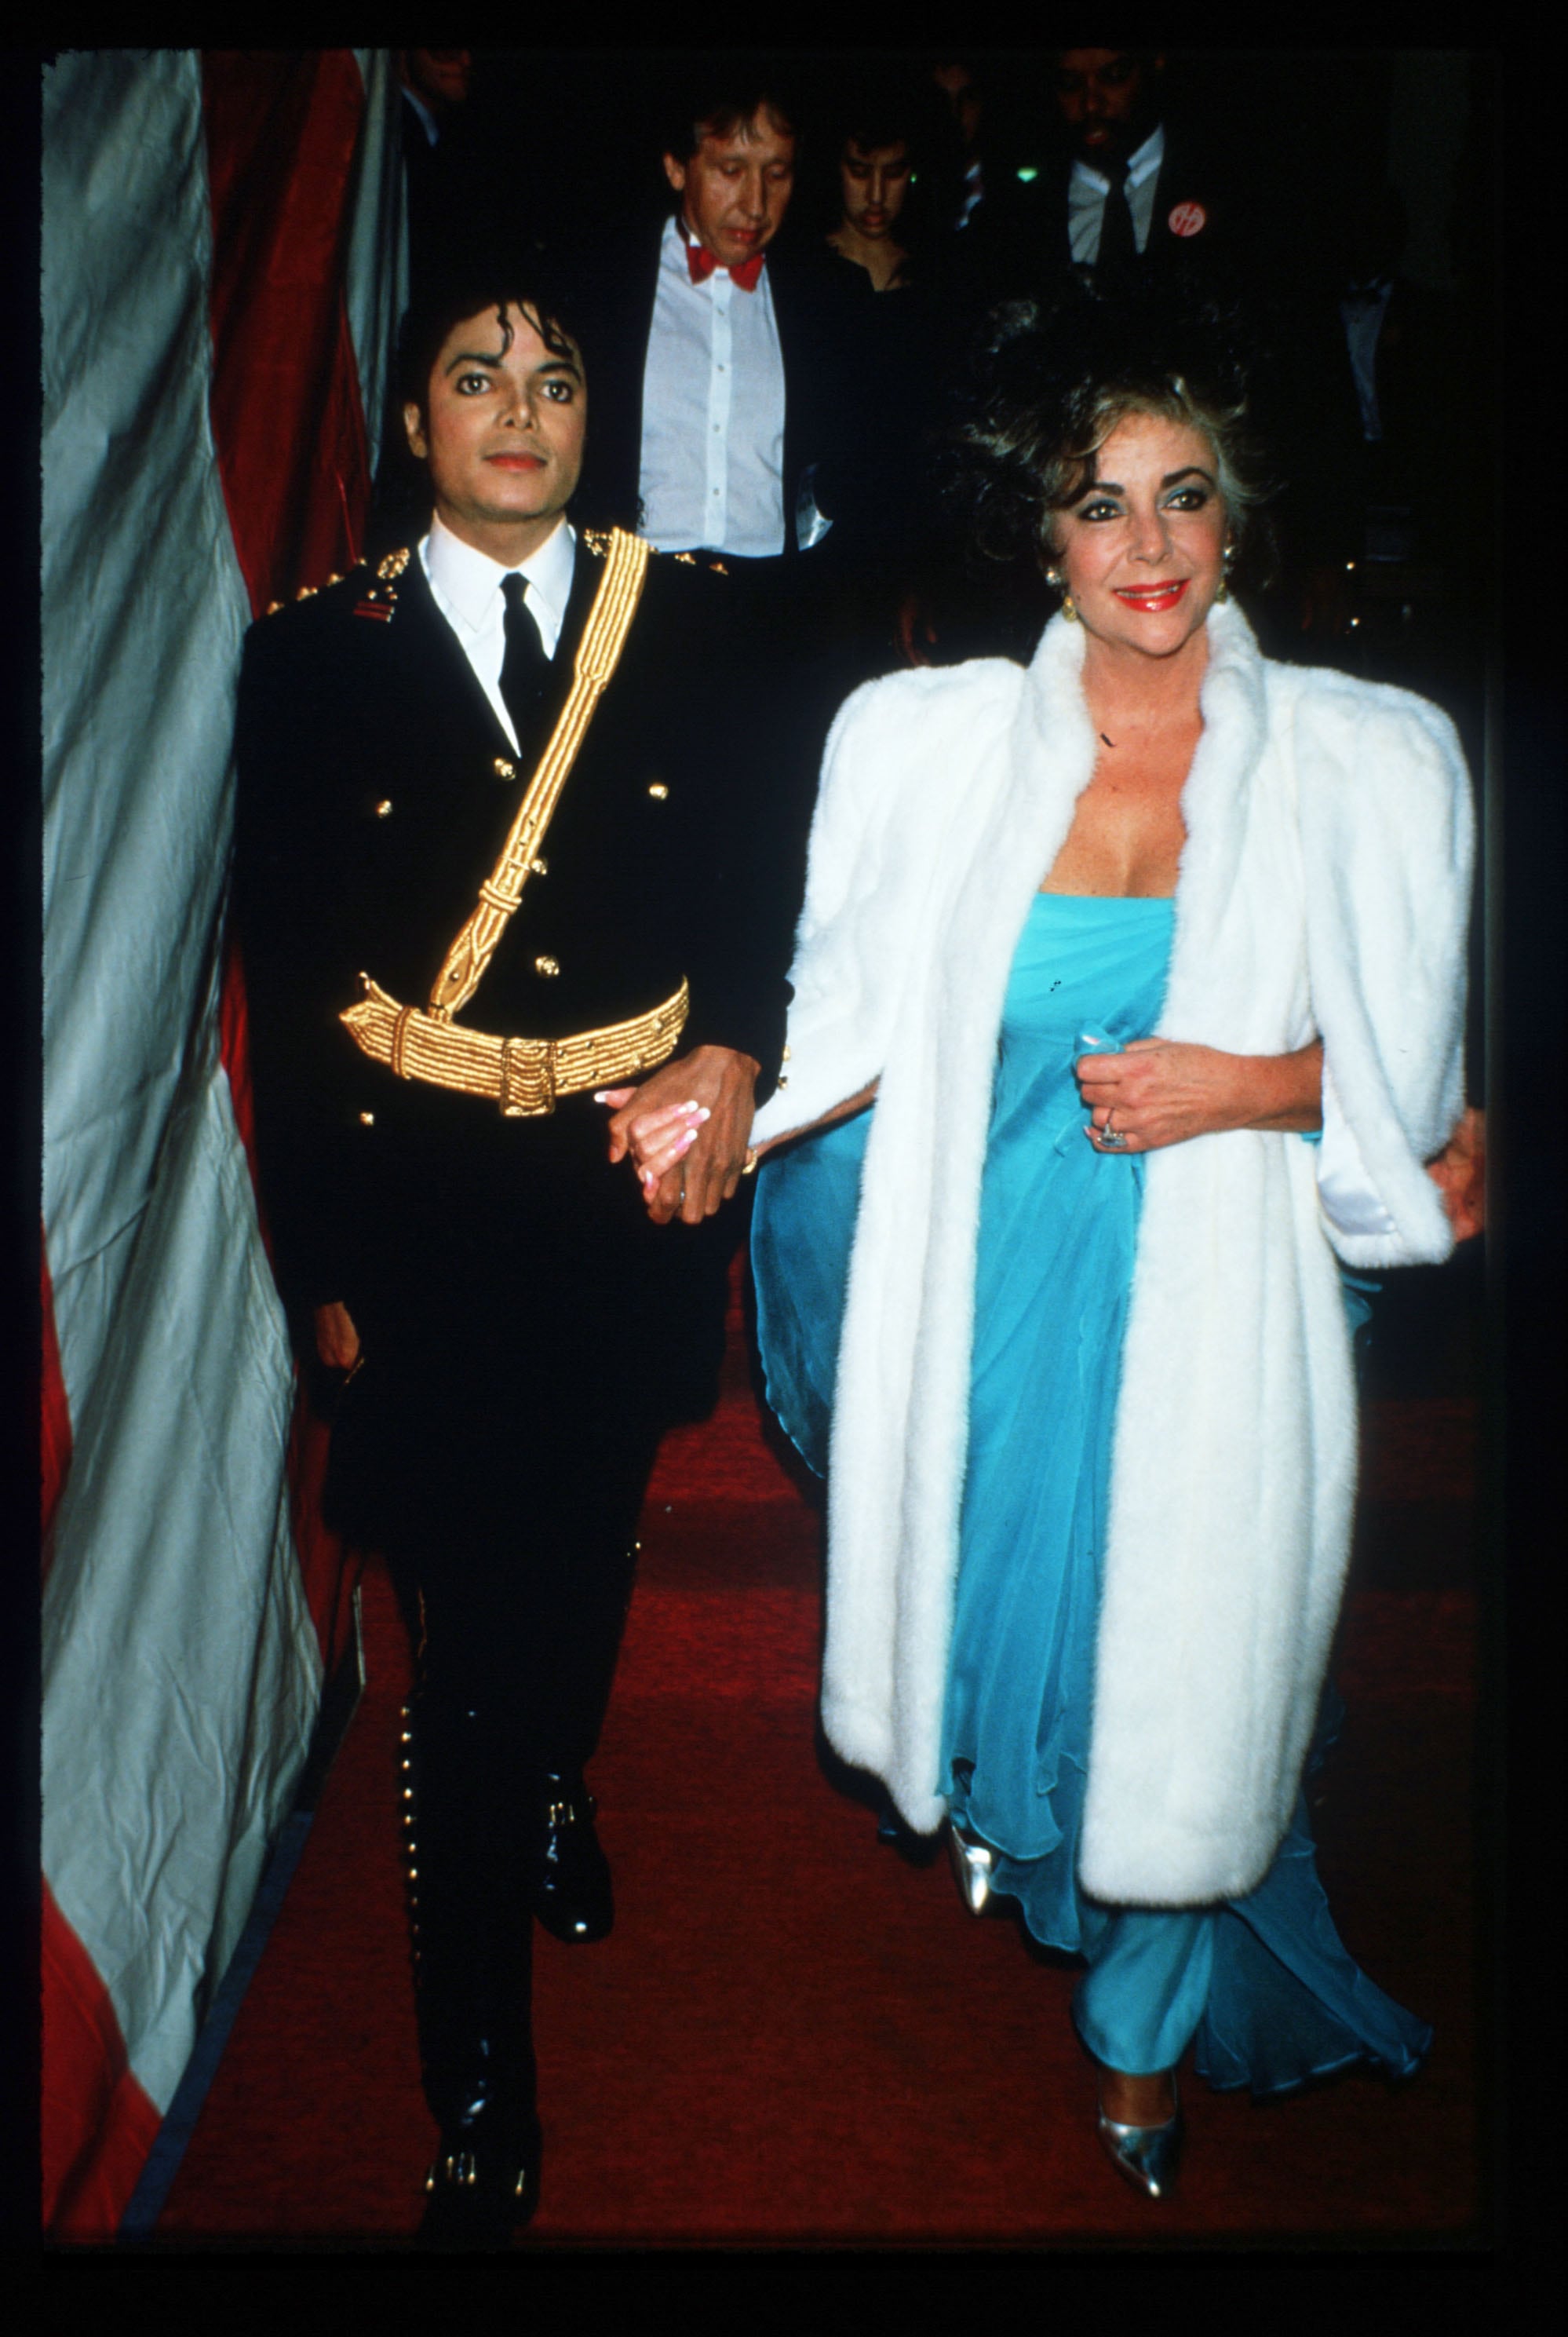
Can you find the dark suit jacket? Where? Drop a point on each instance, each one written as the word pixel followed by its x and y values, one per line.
pixel 620 280
pixel 1019 246
pixel 375 790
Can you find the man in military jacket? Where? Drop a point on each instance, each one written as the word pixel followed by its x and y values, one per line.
pixel 502 844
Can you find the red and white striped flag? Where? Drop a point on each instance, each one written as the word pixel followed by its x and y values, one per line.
pixel 223 244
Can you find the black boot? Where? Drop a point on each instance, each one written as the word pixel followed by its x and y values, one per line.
pixel 571 1894
pixel 471 1933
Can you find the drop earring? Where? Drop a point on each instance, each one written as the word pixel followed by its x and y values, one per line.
pixel 1054 579
pixel 1224 592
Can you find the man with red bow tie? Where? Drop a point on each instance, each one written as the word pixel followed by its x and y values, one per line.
pixel 716 351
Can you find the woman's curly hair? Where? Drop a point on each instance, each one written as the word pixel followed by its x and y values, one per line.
pixel 1046 386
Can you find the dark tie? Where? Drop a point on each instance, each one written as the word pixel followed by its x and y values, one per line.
pixel 1118 251
pixel 525 665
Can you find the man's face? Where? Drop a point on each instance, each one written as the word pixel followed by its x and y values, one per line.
pixel 503 432
pixel 958 86
pixel 735 191
pixel 1107 100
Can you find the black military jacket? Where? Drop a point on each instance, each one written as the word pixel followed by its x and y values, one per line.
pixel 375 791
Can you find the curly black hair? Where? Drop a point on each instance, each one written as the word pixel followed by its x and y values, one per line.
pixel 531 285
pixel 1047 384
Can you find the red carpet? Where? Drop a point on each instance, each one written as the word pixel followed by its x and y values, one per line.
pixel 796 2034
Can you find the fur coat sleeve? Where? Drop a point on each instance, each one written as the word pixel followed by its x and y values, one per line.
pixel 1323 888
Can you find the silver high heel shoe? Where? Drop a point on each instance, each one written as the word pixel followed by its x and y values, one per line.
pixel 973 1865
pixel 1145 2154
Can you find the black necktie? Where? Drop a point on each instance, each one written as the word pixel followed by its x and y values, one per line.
pixel 1118 249
pixel 525 665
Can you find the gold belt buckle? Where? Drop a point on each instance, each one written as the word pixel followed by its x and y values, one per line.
pixel 527 1078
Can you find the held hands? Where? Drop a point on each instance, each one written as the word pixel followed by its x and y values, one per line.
pixel 686 1130
pixel 1160 1091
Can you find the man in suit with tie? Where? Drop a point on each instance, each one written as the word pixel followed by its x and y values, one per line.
pixel 1125 194
pixel 490 870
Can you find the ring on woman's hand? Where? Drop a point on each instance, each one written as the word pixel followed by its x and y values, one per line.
pixel 1111 1136
pixel 749 1163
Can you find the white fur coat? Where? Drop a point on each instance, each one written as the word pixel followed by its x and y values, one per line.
pixel 1324 887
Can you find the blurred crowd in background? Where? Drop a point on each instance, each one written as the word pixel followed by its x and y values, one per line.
pixel 1343 201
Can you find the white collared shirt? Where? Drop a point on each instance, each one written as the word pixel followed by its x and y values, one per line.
pixel 713 413
pixel 465 586
pixel 1087 189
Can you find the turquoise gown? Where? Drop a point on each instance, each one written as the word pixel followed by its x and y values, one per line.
pixel 1261 1983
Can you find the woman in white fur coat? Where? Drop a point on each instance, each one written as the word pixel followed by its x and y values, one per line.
pixel 1151 956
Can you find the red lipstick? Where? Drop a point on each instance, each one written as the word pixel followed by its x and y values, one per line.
pixel 1153 598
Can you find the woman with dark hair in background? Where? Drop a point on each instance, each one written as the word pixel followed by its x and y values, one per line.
pixel 875 149
pixel 1128 1008
pixel 875 153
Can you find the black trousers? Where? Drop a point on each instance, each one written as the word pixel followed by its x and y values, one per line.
pixel 527 1335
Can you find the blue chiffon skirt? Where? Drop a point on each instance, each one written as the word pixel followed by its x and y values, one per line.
pixel 1262 1984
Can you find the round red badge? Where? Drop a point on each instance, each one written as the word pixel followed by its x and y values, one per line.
pixel 1187 218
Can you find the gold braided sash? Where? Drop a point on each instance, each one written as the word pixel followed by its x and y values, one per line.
pixel 526 1074
pixel 603 639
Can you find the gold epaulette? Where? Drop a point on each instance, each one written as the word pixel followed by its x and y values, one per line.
pixel 309 591
pixel 382 598
pixel 598 539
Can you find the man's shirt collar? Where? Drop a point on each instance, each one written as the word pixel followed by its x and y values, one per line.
pixel 679 238
pixel 1142 163
pixel 468 581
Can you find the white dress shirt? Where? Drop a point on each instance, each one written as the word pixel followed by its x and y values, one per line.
pixel 713 413
pixel 465 586
pixel 1087 189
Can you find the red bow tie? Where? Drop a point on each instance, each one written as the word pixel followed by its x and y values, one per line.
pixel 700 260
